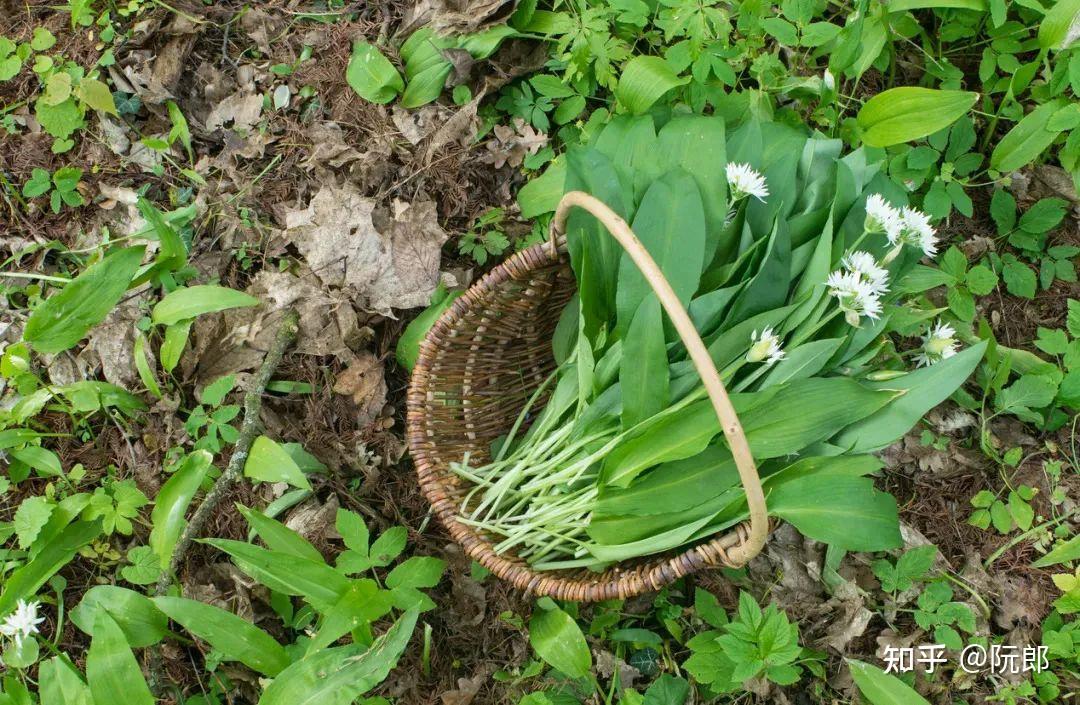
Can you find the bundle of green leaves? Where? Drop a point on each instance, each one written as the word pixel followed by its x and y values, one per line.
pixel 784 253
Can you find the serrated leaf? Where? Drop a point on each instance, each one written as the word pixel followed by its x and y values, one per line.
pixel 97 95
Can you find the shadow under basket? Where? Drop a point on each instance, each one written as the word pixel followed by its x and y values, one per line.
pixel 477 367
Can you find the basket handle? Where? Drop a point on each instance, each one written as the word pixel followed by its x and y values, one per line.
pixel 741 553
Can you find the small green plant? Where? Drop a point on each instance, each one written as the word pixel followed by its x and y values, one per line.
pixel 937 611
pixel 1013 512
pixel 62 187
pixel 485 237
pixel 755 643
pixel 911 567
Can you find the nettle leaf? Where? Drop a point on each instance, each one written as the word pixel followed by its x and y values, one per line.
pixel 1019 279
pixel 907 113
pixel 63 319
pixel 1043 216
pixel 30 518
pixel 372 75
pixel 1030 391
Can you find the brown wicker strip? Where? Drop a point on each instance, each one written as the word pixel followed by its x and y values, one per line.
pixel 477 367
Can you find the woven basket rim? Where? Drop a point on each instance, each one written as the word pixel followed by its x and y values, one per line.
pixel 616 583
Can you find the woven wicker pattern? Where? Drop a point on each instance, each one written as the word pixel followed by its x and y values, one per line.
pixel 476 369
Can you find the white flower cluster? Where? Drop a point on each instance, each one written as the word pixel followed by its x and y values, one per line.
pixel 765 347
pixel 744 181
pixel 858 286
pixel 906 226
pixel 938 344
pixel 22 622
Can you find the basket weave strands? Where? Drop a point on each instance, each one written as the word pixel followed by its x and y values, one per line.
pixel 476 369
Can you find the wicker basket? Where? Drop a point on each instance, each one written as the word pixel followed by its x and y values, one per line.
pixel 489 352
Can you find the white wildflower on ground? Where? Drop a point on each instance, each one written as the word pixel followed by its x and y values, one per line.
pixel 938 344
pixel 744 181
pixel 765 347
pixel 21 622
pixel 872 273
pixel 855 295
pixel 914 231
pixel 881 217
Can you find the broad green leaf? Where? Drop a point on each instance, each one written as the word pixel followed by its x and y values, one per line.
pixel 234 637
pixel 1066 552
pixel 643 374
pixel 172 347
pixel 1057 23
pixel 97 95
pixel 363 603
pixel 111 669
pixel 416 572
pixel 696 144
pixel 142 364
pixel 1027 139
pixel 191 301
pixel 172 501
pixel 317 582
pixel 804 361
pixel 558 640
pixel 340 675
pixel 279 537
pixel 670 223
pixel 62 320
pixel 269 462
pixel 880 688
pixel 907 113
pixel 922 390
pixel 24 582
pixel 372 75
pixel 644 80
pixel 172 252
pixel 906 5
pixel 60 684
pixel 408 346
pixel 46 462
pixel 779 421
pixel 541 195
pixel 826 506
pixel 142 623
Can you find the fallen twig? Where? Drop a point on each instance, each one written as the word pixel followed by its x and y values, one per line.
pixel 249 429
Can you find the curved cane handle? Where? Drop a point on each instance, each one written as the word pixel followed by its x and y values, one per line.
pixel 699 354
